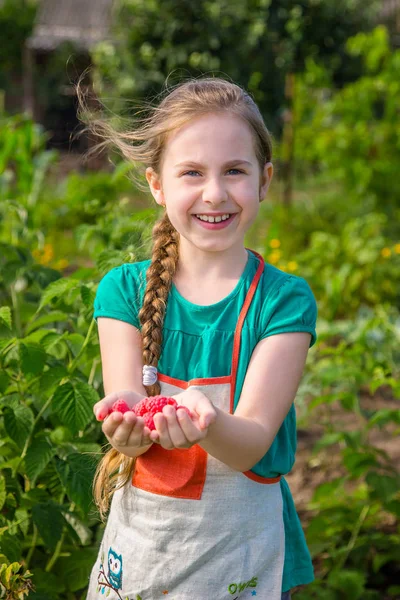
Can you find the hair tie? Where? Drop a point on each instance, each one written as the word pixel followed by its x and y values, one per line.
pixel 149 375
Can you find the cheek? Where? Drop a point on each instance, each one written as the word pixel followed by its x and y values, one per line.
pixel 179 198
pixel 249 193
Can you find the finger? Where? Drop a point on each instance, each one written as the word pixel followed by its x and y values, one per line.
pixel 129 432
pixel 111 423
pixel 176 434
pixel 154 436
pixel 137 437
pixel 191 432
pixel 101 410
pixel 206 413
pixel 146 435
pixel 161 426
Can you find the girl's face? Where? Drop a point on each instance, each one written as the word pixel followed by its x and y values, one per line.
pixel 210 169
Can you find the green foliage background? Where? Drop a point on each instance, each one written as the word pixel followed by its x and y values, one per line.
pixel 59 236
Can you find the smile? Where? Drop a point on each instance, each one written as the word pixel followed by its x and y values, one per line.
pixel 216 219
pixel 216 222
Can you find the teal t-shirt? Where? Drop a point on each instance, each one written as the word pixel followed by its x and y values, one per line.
pixel 198 343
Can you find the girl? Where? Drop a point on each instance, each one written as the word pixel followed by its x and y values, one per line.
pixel 200 507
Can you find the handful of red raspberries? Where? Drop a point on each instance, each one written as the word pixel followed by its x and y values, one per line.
pixel 147 408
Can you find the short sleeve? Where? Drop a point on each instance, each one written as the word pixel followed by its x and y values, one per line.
pixel 292 308
pixel 116 297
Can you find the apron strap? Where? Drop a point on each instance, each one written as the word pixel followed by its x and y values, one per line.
pixel 238 330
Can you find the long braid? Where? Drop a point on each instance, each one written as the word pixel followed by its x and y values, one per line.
pixel 159 280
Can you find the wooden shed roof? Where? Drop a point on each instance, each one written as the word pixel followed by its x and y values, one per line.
pixel 82 22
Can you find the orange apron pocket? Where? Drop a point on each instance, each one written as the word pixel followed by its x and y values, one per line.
pixel 179 473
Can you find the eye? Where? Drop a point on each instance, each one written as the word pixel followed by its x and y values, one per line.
pixel 191 173
pixel 234 171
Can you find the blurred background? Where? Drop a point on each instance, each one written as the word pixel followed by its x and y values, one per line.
pixel 326 76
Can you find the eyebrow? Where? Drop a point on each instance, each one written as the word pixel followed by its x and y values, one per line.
pixel 230 163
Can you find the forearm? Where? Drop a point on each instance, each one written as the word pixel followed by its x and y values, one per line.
pixel 239 442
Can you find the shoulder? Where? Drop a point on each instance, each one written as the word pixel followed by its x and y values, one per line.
pixel 286 303
pixel 120 292
pixel 126 275
pixel 276 281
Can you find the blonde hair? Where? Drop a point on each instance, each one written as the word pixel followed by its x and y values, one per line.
pixel 143 144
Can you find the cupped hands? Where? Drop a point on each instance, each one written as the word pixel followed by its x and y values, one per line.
pixel 128 433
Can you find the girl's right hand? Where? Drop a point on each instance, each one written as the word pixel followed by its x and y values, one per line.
pixel 126 432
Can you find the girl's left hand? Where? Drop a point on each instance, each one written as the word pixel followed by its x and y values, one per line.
pixel 175 429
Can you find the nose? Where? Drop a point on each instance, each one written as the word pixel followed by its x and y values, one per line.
pixel 214 191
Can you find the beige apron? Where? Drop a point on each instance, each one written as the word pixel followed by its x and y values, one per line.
pixel 190 527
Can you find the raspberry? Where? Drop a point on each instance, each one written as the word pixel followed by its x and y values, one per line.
pixel 148 407
pixel 120 406
pixel 149 421
pixel 140 408
pixel 153 404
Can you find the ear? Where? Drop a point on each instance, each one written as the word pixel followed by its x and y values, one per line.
pixel 265 179
pixel 155 186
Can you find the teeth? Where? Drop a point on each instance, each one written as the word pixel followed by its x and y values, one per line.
pixel 213 219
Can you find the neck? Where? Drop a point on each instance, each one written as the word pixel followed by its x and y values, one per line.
pixel 199 265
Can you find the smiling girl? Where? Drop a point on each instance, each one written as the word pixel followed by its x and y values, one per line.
pixel 200 507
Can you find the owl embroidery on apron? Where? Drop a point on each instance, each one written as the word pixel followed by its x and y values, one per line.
pixel 112 579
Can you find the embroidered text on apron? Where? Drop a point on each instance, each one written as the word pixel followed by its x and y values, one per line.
pixel 190 527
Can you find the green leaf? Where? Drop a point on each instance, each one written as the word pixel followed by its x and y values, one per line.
pixel 328 439
pixel 88 296
pixel 18 421
pixel 32 357
pixel 23 517
pixel 80 530
pixel 382 558
pixel 60 435
pixel 76 568
pixel 383 416
pixel 75 342
pixel 48 586
pixel 384 487
pixel 37 457
pixel 51 317
pixel 74 404
pixel 10 546
pixel 5 316
pixel 3 492
pixel 55 344
pixel 328 490
pixel 77 473
pixel 4 382
pixel 357 463
pixel 52 378
pixel 350 583
pixel 324 399
pixel 57 289
pixel 49 521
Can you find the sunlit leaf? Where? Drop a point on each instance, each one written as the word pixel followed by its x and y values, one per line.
pixel 5 315
pixel 73 403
